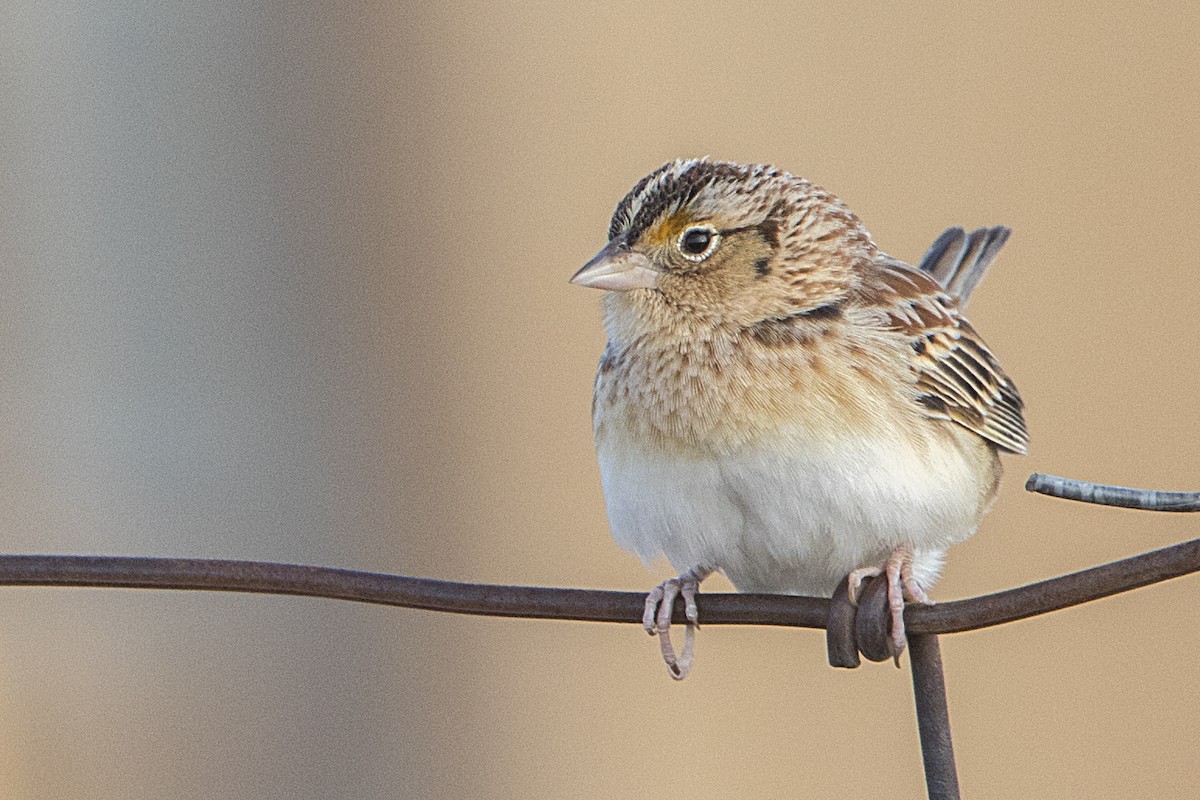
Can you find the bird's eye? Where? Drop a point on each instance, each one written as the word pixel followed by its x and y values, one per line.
pixel 698 243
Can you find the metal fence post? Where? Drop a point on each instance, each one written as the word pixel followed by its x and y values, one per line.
pixel 933 716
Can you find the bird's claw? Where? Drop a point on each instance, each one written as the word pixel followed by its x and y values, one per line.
pixel 854 581
pixel 656 619
pixel 901 586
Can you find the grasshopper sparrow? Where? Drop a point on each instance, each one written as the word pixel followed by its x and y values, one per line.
pixel 781 401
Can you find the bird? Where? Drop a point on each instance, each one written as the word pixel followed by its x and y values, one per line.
pixel 781 401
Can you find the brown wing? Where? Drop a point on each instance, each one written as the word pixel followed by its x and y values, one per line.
pixel 957 377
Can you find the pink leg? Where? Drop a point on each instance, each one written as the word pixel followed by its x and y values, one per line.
pixel 912 589
pixel 855 580
pixel 656 618
pixel 900 585
pixel 896 598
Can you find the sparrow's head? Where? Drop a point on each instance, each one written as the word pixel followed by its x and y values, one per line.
pixel 729 244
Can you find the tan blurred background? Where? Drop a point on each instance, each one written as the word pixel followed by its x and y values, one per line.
pixel 289 283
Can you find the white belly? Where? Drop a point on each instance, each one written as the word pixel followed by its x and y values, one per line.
pixel 795 516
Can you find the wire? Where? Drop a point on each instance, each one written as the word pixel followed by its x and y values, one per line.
pixel 1105 495
pixel 579 604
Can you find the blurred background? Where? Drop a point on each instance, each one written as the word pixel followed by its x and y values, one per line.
pixel 288 282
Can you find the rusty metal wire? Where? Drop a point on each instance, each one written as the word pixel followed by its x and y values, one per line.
pixel 592 605
pixel 933 717
pixel 850 630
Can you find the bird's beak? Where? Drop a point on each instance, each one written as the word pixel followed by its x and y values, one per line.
pixel 617 269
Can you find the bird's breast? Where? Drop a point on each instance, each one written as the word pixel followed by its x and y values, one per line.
pixel 784 470
pixel 719 395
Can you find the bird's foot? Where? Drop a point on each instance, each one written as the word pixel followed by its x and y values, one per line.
pixel 656 618
pixel 854 581
pixel 900 587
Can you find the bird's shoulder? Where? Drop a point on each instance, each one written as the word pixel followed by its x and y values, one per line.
pixel 958 378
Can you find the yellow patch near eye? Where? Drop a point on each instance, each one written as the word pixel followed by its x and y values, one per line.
pixel 667 230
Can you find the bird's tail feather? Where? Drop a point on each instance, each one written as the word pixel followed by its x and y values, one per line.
pixel 957 259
